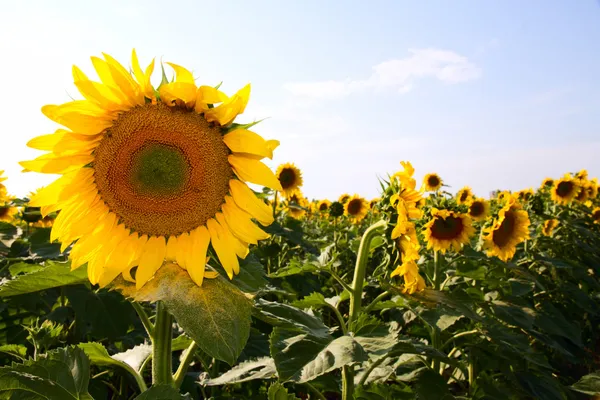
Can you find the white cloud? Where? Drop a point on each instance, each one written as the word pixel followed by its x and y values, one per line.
pixel 446 66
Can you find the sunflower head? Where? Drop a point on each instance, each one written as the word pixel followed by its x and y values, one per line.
pixel 596 215
pixel 479 209
pixel 297 204
pixel 373 203
pixel 8 212
pixel 290 178
pixel 431 183
pixel 344 198
pixel 510 228
pixel 549 226
pixel 525 194
pixel 583 174
pixel 565 190
pixel 547 183
pixel 323 206
pixel 152 175
pixel 336 209
pixel 464 195
pixel 356 208
pixel 592 189
pixel 504 196
pixel 413 281
pixel 447 229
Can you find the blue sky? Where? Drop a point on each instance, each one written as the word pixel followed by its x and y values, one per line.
pixel 491 94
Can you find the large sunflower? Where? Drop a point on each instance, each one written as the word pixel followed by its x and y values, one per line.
pixel 565 190
pixel 290 178
pixel 447 229
pixel 356 208
pixel 508 230
pixel 479 209
pixel 464 195
pixel 431 183
pixel 152 175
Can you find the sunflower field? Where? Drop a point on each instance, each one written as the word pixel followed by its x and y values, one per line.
pixel 150 269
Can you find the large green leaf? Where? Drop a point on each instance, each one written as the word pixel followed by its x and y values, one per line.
pixel 160 392
pixel 261 368
pixel 589 384
pixel 278 392
pixel 383 392
pixel 431 385
pixel 60 374
pixel 216 315
pixel 53 275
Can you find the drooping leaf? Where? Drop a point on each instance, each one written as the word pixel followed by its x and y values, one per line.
pixel 216 315
pixel 59 374
pixel 53 275
pixel 261 368
pixel 16 350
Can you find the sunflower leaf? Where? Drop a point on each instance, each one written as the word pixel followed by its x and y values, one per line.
pixel 53 275
pixel 216 315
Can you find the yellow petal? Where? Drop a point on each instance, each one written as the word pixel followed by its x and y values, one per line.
pixel 170 93
pixel 171 248
pixel 182 74
pixel 245 141
pixel 240 223
pixel 225 113
pixel 100 94
pixel 118 260
pixel 77 121
pixel 151 259
pixel 225 253
pixel 208 95
pixel 57 165
pixel 124 80
pixel 200 239
pixel 239 247
pixel 253 171
pixel 246 199
pixel 181 251
pixel 142 78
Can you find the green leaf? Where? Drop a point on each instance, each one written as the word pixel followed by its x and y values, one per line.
pixel 53 275
pixel 59 374
pixel 523 317
pixel 383 391
pixel 15 350
pixel 216 315
pixel 440 318
pixel 278 392
pixel 252 275
pixel 293 268
pixel 431 385
pixel 7 231
pixel 136 356
pixel 589 384
pixel 24 268
pixel 471 270
pixel 261 368
pixel 313 300
pixel 160 392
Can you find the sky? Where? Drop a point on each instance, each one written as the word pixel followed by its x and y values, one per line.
pixel 490 94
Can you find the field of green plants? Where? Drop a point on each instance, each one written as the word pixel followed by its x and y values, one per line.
pixel 328 306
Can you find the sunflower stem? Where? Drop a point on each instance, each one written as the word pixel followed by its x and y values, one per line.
pixel 188 356
pixel 162 368
pixel 144 318
pixel 435 333
pixel 356 291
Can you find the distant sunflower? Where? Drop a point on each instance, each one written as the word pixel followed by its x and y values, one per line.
pixel 504 195
pixel 336 209
pixel 508 230
pixel 479 209
pixel 525 194
pixel 549 226
pixel 290 178
pixel 596 215
pixel 565 190
pixel 323 206
pixel 344 198
pixel 296 204
pixel 3 191
pixel 583 193
pixel 356 208
pixel 447 229
pixel 547 183
pixel 592 189
pixel 373 203
pixel 464 195
pixel 150 175
pixel 7 213
pixel 583 174
pixel 431 183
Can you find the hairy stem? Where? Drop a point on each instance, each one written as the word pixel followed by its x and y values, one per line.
pixel 162 368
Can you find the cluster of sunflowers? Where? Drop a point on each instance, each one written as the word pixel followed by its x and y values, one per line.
pixel 449 222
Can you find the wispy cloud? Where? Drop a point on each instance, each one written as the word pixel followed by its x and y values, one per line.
pixel 401 74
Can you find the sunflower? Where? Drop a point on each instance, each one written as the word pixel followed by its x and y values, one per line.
pixel 413 281
pixel 431 183
pixel 504 195
pixel 7 212
pixel 3 191
pixel 356 208
pixel 336 209
pixel 596 215
pixel 150 175
pixel 344 198
pixel 323 206
pixel 592 189
pixel 479 209
pixel 583 194
pixel 296 204
pixel 447 229
pixel 373 203
pixel 525 194
pixel 290 178
pixel 464 195
pixel 547 183
pixel 549 226
pixel 507 231
pixel 565 190
pixel 583 174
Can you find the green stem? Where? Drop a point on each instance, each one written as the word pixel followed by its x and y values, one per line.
pixel 162 368
pixel 339 280
pixel 435 333
pixel 315 391
pixel 376 300
pixel 137 376
pixel 460 334
pixel 275 205
pixel 188 356
pixel 339 318
pixel 356 292
pixel 144 318
pixel 375 364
